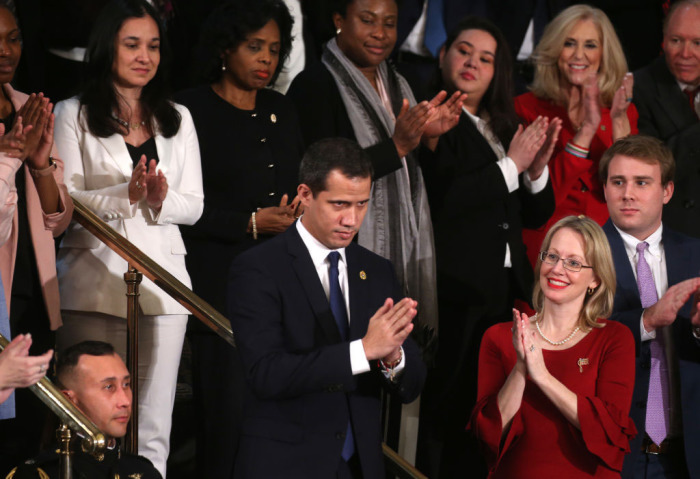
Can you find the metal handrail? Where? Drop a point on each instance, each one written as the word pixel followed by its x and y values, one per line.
pixel 153 271
pixel 400 466
pixel 93 441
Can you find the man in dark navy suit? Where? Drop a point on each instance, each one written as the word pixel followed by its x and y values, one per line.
pixel 657 271
pixel 321 327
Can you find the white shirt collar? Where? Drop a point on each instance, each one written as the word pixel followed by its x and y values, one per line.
pixel 631 242
pixel 317 250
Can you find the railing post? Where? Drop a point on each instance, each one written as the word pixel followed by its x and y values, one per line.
pixel 63 434
pixel 132 278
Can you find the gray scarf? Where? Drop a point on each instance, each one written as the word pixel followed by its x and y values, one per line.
pixel 397 225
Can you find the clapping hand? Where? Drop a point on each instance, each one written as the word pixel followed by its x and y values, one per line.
pixel 445 115
pixel 276 219
pixel 12 143
pixel 545 152
pixel 410 126
pixel 620 104
pixel 36 113
pixel 156 186
pixel 18 369
pixel 527 142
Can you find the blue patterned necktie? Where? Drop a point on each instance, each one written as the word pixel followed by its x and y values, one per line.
pixel 340 313
pixel 435 33
pixel 7 408
pixel 657 419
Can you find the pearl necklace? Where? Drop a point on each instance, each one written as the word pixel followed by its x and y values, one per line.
pixel 555 343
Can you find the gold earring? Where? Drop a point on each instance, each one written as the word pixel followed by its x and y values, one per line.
pixel 591 291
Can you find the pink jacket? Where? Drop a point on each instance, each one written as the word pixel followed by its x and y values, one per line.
pixel 43 227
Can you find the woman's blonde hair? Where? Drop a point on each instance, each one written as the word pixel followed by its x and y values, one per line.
pixel 598 304
pixel 613 65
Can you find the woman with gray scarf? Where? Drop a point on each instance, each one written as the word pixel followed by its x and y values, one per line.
pixel 355 94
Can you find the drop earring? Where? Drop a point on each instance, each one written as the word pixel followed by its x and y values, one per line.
pixel 223 65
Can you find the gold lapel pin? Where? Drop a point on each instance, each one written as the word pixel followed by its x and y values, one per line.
pixel 363 275
pixel 273 118
pixel 581 363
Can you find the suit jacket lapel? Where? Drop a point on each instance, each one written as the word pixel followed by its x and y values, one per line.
pixel 676 258
pixel 478 140
pixel 358 293
pixel 626 282
pixel 308 277
pixel 165 148
pixel 671 98
pixel 115 146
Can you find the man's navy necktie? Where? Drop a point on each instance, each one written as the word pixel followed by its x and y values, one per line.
pixel 340 313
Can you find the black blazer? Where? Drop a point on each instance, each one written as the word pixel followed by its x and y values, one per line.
pixel 474 216
pixel 664 112
pixel 682 262
pixel 240 173
pixel 297 367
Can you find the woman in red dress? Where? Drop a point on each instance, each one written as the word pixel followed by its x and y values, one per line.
pixel 555 389
pixel 581 77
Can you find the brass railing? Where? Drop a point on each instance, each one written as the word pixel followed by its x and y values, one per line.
pixel 93 441
pixel 399 466
pixel 139 262
pixel 153 271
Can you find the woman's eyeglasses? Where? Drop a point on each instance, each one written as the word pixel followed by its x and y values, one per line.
pixel 573 265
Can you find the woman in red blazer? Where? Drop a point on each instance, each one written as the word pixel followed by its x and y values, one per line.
pixel 581 77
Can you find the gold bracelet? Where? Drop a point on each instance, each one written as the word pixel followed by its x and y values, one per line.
pixel 255 226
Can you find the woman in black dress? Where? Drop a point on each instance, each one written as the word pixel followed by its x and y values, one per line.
pixel 251 146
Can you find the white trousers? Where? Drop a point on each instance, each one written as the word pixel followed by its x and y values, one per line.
pixel 160 346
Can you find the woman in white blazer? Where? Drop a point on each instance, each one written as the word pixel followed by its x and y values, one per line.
pixel 132 157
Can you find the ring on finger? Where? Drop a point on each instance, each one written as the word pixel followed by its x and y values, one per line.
pixel 138 185
pixel 532 348
pixel 42 368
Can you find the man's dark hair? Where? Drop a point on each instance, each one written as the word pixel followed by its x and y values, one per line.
pixel 331 154
pixel 69 358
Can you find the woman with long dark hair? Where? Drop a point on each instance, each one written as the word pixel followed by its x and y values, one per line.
pixel 251 146
pixel 487 178
pixel 132 157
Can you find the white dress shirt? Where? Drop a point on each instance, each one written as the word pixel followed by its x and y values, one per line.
pixel 319 257
pixel 656 258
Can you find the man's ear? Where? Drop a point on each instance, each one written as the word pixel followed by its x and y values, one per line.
pixel 305 194
pixel 70 394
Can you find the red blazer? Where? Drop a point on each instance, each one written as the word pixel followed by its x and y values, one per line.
pixel 574 180
pixel 43 227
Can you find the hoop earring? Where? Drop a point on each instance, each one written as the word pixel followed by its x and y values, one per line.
pixel 590 291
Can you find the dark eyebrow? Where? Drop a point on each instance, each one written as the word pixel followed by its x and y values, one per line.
pixel 472 46
pixel 139 38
